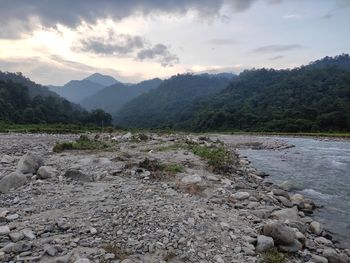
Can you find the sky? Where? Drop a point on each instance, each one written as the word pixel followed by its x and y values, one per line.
pixel 52 42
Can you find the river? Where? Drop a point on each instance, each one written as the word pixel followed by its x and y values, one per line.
pixel 321 171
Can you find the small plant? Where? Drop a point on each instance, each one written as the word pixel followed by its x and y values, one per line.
pixel 151 165
pixel 83 143
pixel 273 256
pixel 174 168
pixel 114 249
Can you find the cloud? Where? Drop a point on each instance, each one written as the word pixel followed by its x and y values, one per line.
pixel 159 52
pixel 276 48
pixel 72 13
pixel 222 41
pixel 292 16
pixel 276 57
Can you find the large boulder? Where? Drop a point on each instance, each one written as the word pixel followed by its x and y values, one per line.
pixel 333 256
pixel 316 228
pixel 264 243
pixel 295 247
pixel 78 176
pixel 286 214
pixel 29 163
pixel 281 234
pixel 46 172
pixel 191 179
pixel 12 180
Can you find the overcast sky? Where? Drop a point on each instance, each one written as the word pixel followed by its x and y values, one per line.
pixel 53 41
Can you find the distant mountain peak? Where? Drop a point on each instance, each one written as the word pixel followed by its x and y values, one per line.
pixel 101 79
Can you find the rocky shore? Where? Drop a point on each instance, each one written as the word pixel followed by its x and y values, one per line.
pixel 149 198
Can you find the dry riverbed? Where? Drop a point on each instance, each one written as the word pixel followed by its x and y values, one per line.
pixel 149 198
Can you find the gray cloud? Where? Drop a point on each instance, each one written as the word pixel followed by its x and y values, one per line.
pixel 276 48
pixel 159 52
pixel 72 12
pixel 276 57
pixel 222 41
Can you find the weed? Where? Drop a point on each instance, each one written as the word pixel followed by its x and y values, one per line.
pixel 273 256
pixel 114 249
pixel 83 143
pixel 174 168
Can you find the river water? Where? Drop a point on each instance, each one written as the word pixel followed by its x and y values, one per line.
pixel 321 171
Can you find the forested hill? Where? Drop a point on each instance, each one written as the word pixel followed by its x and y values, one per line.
pixel 17 106
pixel 304 99
pixel 172 104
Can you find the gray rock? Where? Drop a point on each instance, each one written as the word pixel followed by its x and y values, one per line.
pixel 29 163
pixel 17 247
pixel 4 230
pixel 264 243
pixel 6 159
pixel 287 186
pixel 82 260
pixel 12 217
pixel 318 259
pixel 16 236
pixel 291 248
pixel 191 179
pixel 28 233
pixel 331 255
pixel 12 180
pixel 323 241
pixel 287 213
pixel 46 172
pixel 280 192
pixel 280 233
pixel 78 176
pixel 316 228
pixel 241 195
pixel 50 250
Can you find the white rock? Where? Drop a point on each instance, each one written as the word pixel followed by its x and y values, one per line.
pixel 191 179
pixel 264 243
pixel 241 195
pixel 28 233
pixel 6 159
pixel 287 213
pixel 29 163
pixel 46 172
pixel 316 228
pixel 4 230
pixel 12 180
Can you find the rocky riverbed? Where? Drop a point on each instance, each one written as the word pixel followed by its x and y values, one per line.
pixel 149 198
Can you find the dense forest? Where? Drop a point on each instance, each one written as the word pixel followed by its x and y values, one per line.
pixel 18 107
pixel 172 104
pixel 312 98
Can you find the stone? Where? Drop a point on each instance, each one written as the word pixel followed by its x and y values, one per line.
pixel 287 186
pixel 241 195
pixel 93 231
pixel 6 159
pixel 331 255
pixel 291 248
pixel 29 163
pixel 316 228
pixel 264 243
pixel 17 247
pixel 126 136
pixel 286 214
pixel 323 241
pixel 82 260
pixel 50 250
pixel 12 217
pixel 77 176
pixel 4 230
pixel 28 233
pixel 12 180
pixel 191 179
pixel 16 236
pixel 318 259
pixel 280 192
pixel 280 233
pixel 46 172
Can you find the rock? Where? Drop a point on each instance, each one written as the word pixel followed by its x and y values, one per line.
pixel 318 259
pixel 93 231
pixel 316 228
pixel 241 195
pixel 50 250
pixel 331 255
pixel 191 179
pixel 6 159
pixel 303 203
pixel 126 136
pixel 16 236
pixel 29 163
pixel 12 217
pixel 12 180
pixel 300 237
pixel 264 243
pixel 82 260
pixel 287 213
pixel 4 230
pixel 323 241
pixel 287 186
pixel 286 202
pixel 46 172
pixel 78 176
pixel 280 233
pixel 280 192
pixel 17 247
pixel 28 233
pixel 291 248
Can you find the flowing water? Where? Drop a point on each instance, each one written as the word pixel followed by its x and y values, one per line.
pixel 321 171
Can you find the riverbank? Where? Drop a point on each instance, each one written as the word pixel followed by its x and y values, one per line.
pixel 150 198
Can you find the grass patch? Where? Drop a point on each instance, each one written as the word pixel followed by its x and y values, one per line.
pixel 160 171
pixel 273 256
pixel 174 168
pixel 114 249
pixel 83 143
pixel 171 147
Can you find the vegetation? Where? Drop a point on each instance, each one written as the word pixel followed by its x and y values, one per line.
pixel 83 143
pixel 18 107
pixel 156 166
pixel 172 104
pixel 273 256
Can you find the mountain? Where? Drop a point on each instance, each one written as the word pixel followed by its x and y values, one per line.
pixel 34 89
pixel 77 90
pixel 311 98
pixel 112 98
pixel 103 80
pixel 171 104
pixel 25 102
